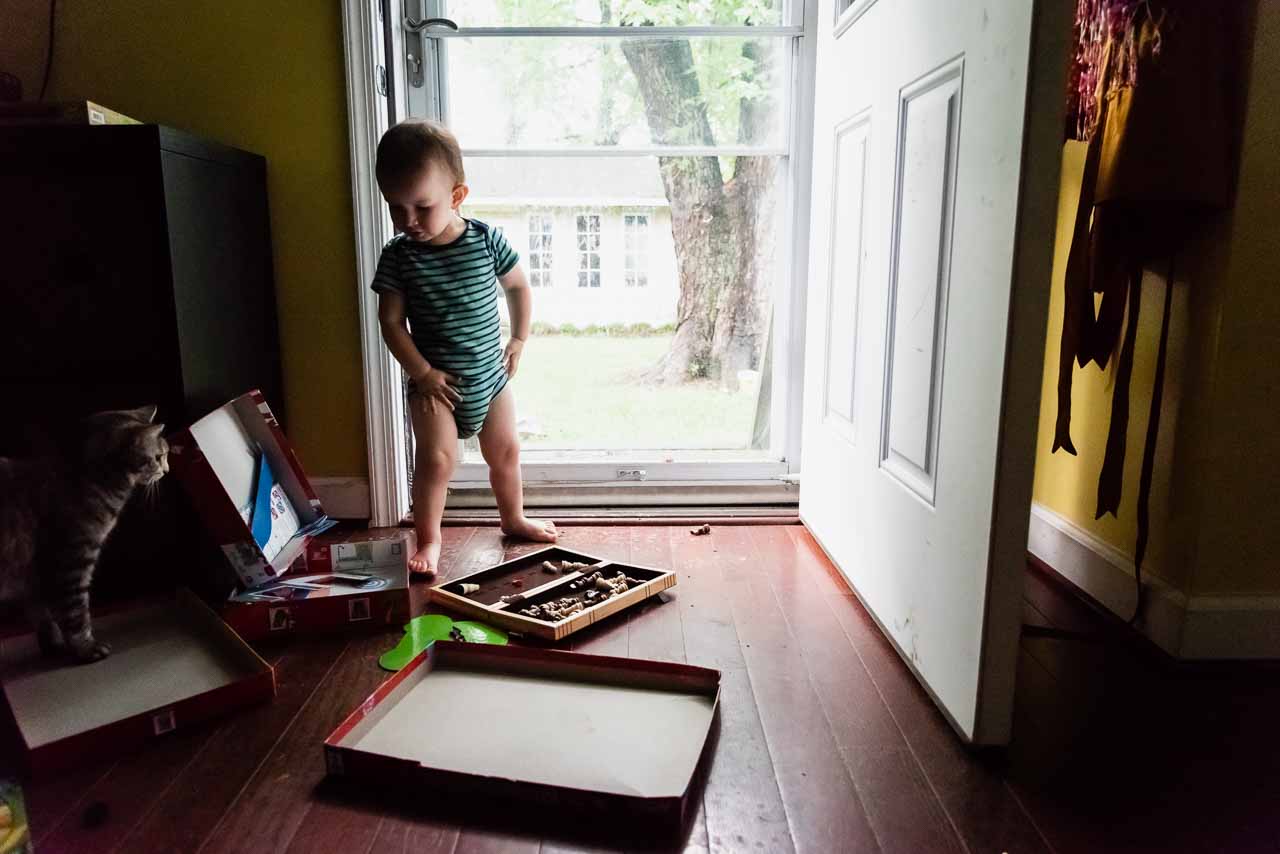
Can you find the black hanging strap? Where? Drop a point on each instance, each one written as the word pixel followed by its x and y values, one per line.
pixel 1149 452
pixel 1111 481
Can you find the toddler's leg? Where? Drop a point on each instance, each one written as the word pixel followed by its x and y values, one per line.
pixel 500 445
pixel 436 452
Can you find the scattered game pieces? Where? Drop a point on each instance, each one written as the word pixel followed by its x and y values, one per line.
pixel 423 631
pixel 468 589
pixel 596 589
pixel 474 632
pixel 701 531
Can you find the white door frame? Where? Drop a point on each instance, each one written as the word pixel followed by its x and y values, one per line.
pixel 772 480
pixel 383 399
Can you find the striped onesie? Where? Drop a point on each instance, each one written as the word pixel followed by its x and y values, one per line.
pixel 451 300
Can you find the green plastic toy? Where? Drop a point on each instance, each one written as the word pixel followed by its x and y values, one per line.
pixel 423 631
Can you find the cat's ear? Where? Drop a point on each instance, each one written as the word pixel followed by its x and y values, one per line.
pixel 145 414
pixel 153 432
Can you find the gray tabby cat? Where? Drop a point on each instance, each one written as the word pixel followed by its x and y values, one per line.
pixel 55 515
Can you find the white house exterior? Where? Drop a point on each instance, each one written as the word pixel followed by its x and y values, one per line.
pixel 593 233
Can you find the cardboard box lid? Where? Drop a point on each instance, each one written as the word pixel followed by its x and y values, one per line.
pixel 216 459
pixel 626 728
pixel 164 653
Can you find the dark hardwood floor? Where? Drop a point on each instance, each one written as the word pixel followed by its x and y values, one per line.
pixel 826 742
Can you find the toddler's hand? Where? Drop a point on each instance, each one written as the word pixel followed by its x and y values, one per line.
pixel 437 386
pixel 511 356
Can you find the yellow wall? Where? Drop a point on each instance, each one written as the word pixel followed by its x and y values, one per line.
pixel 1239 543
pixel 268 79
pixel 1068 485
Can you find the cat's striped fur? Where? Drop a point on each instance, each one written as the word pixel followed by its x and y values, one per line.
pixel 56 514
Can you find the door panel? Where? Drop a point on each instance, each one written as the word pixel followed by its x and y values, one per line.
pixel 844 284
pixel 928 130
pixel 921 496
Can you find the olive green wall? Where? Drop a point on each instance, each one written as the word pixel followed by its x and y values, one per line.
pixel 269 79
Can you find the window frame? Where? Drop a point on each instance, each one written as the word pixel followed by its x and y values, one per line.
pixel 544 276
pixel 751 479
pixel 584 256
pixel 635 249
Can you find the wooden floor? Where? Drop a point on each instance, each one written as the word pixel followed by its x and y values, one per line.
pixel 826 742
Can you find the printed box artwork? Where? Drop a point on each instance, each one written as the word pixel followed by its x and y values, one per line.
pixel 248 487
pixel 360 577
pixel 251 493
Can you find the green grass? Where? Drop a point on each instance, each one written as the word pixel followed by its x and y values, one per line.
pixel 584 393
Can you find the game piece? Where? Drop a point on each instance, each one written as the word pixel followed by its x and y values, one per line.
pixel 517 582
pixel 701 531
pixel 550 568
pixel 468 589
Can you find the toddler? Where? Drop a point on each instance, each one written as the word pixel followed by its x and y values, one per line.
pixel 439 273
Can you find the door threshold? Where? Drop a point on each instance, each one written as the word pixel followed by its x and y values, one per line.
pixel 784 514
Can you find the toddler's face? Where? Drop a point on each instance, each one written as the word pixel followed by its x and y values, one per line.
pixel 423 207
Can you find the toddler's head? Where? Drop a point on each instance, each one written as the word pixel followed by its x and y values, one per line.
pixel 419 171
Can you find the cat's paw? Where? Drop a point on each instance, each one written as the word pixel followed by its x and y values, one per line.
pixel 90 650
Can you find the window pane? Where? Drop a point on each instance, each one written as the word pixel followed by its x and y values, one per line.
pixel 509 92
pixel 587 381
pixel 594 13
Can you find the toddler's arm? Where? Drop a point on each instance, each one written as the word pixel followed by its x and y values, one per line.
pixel 520 306
pixel 391 318
pixel 433 384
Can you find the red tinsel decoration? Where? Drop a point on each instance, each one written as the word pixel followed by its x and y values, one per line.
pixel 1101 24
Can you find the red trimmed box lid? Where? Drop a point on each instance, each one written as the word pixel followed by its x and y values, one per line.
pixel 593 735
pixel 173 664
pixel 216 461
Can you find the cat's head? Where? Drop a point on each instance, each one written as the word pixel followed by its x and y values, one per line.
pixel 127 441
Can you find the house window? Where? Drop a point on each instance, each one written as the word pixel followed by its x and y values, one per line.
pixel 540 252
pixel 588 250
pixel 635 263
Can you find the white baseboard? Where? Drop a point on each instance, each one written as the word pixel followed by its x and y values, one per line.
pixel 343 497
pixel 1189 628
pixel 1235 627
pixel 1106 574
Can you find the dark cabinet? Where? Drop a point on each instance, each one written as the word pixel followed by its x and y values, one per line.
pixel 135 267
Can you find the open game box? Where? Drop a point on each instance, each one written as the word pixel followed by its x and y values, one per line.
pixel 253 497
pixel 551 593
pixel 609 735
pixel 173 664
pixel 348 580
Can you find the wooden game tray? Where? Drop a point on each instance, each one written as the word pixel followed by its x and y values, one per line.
pixel 537 587
pixel 611 736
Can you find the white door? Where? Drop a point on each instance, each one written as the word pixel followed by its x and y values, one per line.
pixel 937 141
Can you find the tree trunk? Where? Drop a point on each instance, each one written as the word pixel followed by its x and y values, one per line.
pixel 719 229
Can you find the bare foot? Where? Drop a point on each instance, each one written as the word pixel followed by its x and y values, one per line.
pixel 424 561
pixel 532 529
